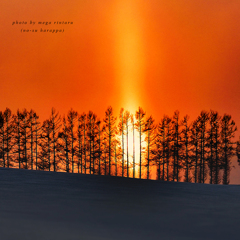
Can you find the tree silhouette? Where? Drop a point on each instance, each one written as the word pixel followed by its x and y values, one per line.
pixel 162 150
pixel 121 127
pixel 203 121
pixel 228 130
pixel 45 145
pixel 159 151
pixel 238 150
pixel 168 122
pixel 186 145
pixel 64 144
pixel 34 126
pixel 37 132
pixel 150 138
pixel 26 136
pixel 140 118
pixel 201 150
pixel 176 145
pixel 194 142
pixel 214 146
pixel 22 137
pixel 99 149
pixel 105 154
pixel 17 136
pixel 117 154
pixel 127 118
pixel 79 145
pixel 2 138
pixel 109 132
pixel 6 133
pixel 92 132
pixel 55 120
pixel 133 127
pixel 71 121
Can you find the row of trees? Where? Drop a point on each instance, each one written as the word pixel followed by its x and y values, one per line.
pixel 132 145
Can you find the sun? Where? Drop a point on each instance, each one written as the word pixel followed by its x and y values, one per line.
pixel 132 151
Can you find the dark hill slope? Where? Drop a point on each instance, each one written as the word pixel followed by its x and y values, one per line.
pixel 59 206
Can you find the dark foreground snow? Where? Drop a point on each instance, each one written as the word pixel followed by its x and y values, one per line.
pixel 59 206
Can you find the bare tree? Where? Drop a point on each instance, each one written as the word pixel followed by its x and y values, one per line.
pixel 6 137
pixel 37 132
pixel 109 132
pixel 186 145
pixel 45 146
pixel 34 127
pixel 99 148
pixel 150 138
pixel 71 121
pixel 203 121
pixel 160 149
pixel 214 146
pixel 92 133
pixel 84 133
pixel 194 140
pixel 79 145
pixel 121 127
pixel 176 138
pixel 127 118
pixel 64 144
pixel 228 130
pixel 133 128
pixel 2 150
pixel 140 117
pixel 17 137
pixel 55 120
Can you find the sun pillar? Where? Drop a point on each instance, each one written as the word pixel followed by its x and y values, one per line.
pixel 129 53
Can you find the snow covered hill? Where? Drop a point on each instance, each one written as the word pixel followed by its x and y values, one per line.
pixel 38 205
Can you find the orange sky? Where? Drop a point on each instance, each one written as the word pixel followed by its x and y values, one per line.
pixel 161 55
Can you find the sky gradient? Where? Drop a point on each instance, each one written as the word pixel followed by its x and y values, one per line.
pixel 161 55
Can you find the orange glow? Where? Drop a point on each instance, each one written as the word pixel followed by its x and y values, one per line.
pixel 129 52
pixel 133 152
pixel 136 152
pixel 160 55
